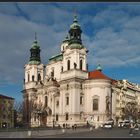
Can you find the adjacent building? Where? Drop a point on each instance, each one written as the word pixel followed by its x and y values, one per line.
pixel 65 92
pixel 6 111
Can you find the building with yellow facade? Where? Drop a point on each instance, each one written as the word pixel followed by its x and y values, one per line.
pixel 6 111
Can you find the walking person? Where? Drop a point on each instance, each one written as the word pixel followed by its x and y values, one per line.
pixel 131 129
pixel 75 126
pixel 72 127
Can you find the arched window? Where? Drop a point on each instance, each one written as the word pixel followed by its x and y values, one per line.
pixel 57 103
pixel 46 101
pixel 52 72
pixel 28 77
pixel 81 114
pixel 68 65
pixel 81 99
pixel 67 116
pixel 67 86
pixel 33 77
pixel 39 77
pixel 81 64
pixel 95 104
pixel 62 69
pixel 56 117
pixel 81 87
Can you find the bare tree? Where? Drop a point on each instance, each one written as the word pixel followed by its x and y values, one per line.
pixel 18 106
pixel 131 110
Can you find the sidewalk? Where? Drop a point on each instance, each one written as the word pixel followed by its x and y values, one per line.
pixel 41 133
pixel 57 132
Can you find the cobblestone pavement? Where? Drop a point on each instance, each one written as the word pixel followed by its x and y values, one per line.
pixel 69 133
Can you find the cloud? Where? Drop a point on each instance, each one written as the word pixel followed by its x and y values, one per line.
pixel 16 40
pixel 111 37
pixel 116 41
pixel 8 8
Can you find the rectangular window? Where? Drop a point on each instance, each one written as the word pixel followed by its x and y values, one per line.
pixel 67 116
pixel 67 100
pixel 95 104
pixel 81 100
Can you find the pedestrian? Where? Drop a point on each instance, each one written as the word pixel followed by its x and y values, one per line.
pixel 87 124
pixel 131 129
pixel 63 125
pixel 72 127
pixel 75 126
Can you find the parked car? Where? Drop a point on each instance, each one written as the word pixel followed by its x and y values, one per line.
pixel 124 124
pixel 120 124
pixel 108 124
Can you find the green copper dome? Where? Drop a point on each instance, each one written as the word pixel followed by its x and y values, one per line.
pixel 99 67
pixel 35 45
pixel 35 53
pixel 34 62
pixel 76 46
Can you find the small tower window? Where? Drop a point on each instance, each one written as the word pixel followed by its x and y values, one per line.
pixel 39 77
pixel 28 77
pixel 81 100
pixel 81 64
pixel 62 69
pixel 68 65
pixel 33 78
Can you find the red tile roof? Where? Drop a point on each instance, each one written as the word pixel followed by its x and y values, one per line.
pixel 96 74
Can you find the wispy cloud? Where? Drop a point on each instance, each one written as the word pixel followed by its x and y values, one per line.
pixel 110 32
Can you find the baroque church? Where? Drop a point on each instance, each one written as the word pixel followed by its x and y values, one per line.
pixel 64 91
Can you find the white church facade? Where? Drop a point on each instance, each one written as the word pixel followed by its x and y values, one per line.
pixel 64 91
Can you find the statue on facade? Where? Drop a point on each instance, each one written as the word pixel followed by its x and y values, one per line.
pixel 75 65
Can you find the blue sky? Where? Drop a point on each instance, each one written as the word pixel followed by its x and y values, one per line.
pixel 111 33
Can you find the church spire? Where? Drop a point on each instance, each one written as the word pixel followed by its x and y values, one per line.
pixel 35 36
pixel 75 32
pixel 35 52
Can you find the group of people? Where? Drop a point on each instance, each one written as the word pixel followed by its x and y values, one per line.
pixel 73 126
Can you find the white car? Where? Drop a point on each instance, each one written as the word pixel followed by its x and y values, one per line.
pixel 124 124
pixel 108 124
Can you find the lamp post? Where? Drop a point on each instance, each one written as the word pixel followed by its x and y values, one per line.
pixel 111 103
